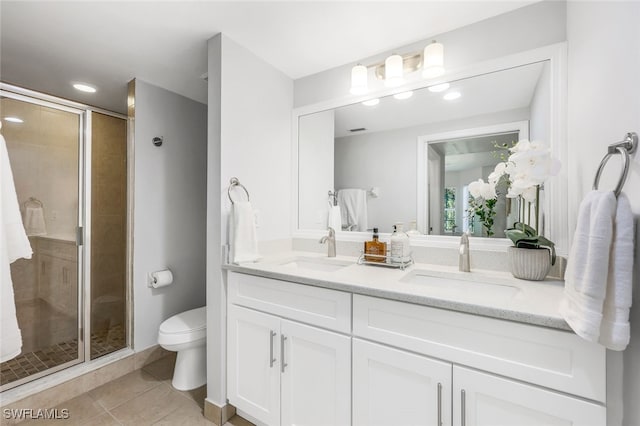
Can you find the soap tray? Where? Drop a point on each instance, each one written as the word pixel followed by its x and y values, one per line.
pixel 385 260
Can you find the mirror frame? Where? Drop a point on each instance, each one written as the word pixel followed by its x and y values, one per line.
pixel 556 223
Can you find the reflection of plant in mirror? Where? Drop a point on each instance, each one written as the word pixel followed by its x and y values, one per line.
pixel 526 169
pixel 482 203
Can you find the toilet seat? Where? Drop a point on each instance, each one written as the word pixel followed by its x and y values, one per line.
pixel 188 326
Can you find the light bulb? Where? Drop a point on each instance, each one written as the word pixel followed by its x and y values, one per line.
pixel 359 83
pixel 393 68
pixel 439 87
pixel 403 95
pixel 84 88
pixel 371 102
pixel 433 60
pixel 451 96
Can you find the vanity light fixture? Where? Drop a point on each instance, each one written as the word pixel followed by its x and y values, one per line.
pixel 371 102
pixel 451 96
pixel 393 71
pixel 83 87
pixel 439 87
pixel 394 68
pixel 403 95
pixel 359 80
pixel 433 60
pixel 14 120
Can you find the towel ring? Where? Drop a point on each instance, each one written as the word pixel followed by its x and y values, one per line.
pixel 235 182
pixel 624 148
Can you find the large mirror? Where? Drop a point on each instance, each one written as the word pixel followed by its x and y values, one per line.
pixel 410 158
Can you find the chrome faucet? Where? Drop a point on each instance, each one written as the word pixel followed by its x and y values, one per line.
pixel 331 242
pixel 464 263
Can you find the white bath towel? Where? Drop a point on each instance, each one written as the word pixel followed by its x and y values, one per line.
pixel 353 208
pixel 588 265
pixel 615 330
pixel 335 220
pixel 34 221
pixel 242 235
pixel 14 244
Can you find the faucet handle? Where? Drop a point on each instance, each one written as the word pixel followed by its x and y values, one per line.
pixel 332 232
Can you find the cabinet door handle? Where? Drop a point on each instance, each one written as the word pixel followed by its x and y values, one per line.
pixel 271 358
pixel 283 364
pixel 439 404
pixel 463 404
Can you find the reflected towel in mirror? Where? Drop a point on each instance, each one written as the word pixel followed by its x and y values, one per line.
pixel 353 209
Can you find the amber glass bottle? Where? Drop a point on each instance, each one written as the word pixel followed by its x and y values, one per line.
pixel 376 248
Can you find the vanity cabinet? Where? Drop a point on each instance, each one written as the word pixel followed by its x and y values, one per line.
pixel 395 387
pixel 281 371
pixel 541 365
pixel 482 399
pixel 299 354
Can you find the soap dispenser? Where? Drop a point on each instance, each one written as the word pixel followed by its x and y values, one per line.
pixel 376 248
pixel 400 246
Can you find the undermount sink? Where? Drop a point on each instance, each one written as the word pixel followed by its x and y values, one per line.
pixel 323 264
pixel 462 285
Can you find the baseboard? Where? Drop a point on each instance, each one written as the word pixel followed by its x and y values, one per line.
pixel 216 414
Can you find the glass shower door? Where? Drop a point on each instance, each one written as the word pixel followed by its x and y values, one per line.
pixel 44 141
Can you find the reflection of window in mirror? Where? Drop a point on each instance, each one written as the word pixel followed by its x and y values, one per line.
pixel 450 210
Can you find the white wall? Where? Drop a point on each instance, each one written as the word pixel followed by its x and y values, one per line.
pixel 250 106
pixel 604 103
pixel 538 25
pixel 169 210
pixel 315 163
pixel 388 160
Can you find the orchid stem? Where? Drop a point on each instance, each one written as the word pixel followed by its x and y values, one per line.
pixel 537 208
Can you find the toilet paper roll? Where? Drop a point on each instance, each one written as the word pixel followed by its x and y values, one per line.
pixel 161 278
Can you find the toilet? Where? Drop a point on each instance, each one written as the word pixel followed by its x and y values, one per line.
pixel 185 333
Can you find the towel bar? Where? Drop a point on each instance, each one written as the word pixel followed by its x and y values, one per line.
pixel 233 182
pixel 624 148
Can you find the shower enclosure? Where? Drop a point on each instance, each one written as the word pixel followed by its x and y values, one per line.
pixel 69 167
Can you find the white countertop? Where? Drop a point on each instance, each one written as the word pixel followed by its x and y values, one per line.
pixel 488 293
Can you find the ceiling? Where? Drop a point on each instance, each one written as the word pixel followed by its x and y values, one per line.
pixel 48 45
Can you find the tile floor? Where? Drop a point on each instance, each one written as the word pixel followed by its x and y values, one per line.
pixel 29 363
pixel 142 397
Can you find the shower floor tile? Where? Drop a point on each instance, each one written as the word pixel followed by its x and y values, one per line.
pixel 30 363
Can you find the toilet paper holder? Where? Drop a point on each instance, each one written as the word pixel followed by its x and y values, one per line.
pixel 159 278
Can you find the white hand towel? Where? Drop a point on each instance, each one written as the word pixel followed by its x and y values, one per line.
pixel 335 219
pixel 353 207
pixel 244 241
pixel 588 265
pixel 615 329
pixel 34 221
pixel 14 244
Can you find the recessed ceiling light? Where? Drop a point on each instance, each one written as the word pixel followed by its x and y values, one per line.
pixel 371 102
pixel 84 88
pixel 439 87
pixel 403 95
pixel 14 119
pixel 451 96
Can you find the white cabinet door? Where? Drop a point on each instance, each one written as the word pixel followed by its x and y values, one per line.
pixel 482 399
pixel 316 376
pixel 393 387
pixel 253 368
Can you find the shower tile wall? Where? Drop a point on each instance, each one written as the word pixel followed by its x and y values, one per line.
pixel 108 220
